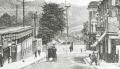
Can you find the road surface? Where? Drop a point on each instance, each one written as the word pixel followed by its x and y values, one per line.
pixel 64 61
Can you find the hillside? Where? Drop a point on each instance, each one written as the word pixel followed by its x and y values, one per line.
pixel 78 15
pixel 9 6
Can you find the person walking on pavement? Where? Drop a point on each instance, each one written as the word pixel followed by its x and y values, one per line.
pixel 93 58
pixel 39 51
pixel 35 54
pixel 71 47
pixel 1 60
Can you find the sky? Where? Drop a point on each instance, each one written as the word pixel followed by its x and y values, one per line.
pixel 75 2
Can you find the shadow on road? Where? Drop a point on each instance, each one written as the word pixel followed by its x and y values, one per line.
pixel 82 67
pixel 79 60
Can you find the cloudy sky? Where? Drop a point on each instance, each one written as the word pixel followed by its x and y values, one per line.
pixel 76 2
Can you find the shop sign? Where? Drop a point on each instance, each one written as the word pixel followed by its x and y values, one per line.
pixel 13 48
pixel 39 43
pixel 113 24
pixel 99 28
pixel 34 45
pixel 19 48
pixel 109 46
pixel 113 2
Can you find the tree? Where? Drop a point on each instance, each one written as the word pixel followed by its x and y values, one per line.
pixel 5 20
pixel 85 35
pixel 29 18
pixel 52 19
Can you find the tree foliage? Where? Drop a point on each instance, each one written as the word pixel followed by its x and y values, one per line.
pixel 52 19
pixel 85 35
pixel 7 20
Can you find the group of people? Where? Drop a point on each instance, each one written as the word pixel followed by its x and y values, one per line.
pixel 52 53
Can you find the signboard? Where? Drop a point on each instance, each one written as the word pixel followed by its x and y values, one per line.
pixel 113 24
pixel 39 44
pixel 34 45
pixel 19 48
pixel 113 2
pixel 100 29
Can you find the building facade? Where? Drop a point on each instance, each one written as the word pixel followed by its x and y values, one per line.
pixel 92 7
pixel 16 43
pixel 107 29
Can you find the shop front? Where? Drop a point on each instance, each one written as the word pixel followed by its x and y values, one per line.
pixel 16 44
pixel 112 53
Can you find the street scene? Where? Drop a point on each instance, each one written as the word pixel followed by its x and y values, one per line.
pixel 59 34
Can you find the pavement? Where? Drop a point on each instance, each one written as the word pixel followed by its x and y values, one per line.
pixel 65 60
pixel 27 62
pixel 102 64
pixel 78 59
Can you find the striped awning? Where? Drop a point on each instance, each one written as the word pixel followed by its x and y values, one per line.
pixel 93 45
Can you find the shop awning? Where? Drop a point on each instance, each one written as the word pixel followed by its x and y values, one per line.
pixel 93 45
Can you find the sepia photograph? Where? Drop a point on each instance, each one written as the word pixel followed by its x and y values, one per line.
pixel 59 34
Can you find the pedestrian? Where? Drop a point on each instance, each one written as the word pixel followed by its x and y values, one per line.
pixel 1 60
pixel 93 58
pixel 71 47
pixel 39 51
pixel 35 54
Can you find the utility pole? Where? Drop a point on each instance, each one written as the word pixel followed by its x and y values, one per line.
pixel 16 13
pixel 35 21
pixel 67 19
pixel 23 12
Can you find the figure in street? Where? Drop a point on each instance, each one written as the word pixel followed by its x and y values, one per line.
pixel 71 47
pixel 93 58
pixel 35 54
pixel 1 60
pixel 39 51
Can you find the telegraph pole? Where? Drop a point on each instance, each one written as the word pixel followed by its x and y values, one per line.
pixel 23 12
pixel 35 21
pixel 16 13
pixel 67 20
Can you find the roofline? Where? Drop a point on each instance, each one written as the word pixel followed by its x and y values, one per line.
pixel 19 29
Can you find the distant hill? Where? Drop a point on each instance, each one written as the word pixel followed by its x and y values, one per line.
pixel 77 16
pixel 9 6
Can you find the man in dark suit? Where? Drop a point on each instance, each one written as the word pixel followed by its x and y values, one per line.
pixel 1 60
